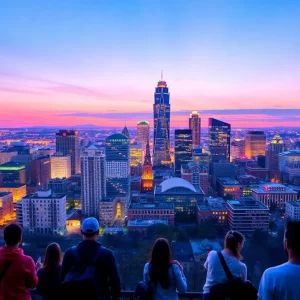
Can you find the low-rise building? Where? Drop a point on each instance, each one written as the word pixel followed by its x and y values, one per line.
pixel 212 209
pixel 292 210
pixel 142 225
pixel 247 215
pixel 73 224
pixel 155 211
pixel 43 213
pixel 13 172
pixel 111 209
pixel 274 194
pixel 229 187
pixel 18 190
pixel 59 186
pixel 6 207
pixel 256 171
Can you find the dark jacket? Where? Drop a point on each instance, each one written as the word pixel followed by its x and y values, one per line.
pixel 48 284
pixel 106 268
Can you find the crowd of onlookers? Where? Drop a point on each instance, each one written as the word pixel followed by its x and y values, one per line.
pixel 89 270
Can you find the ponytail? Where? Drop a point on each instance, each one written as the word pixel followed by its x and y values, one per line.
pixel 232 239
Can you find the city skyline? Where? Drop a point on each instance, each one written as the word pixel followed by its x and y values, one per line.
pixel 238 62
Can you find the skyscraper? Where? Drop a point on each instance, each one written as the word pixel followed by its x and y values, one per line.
pixel 147 177
pixel 237 149
pixel 136 159
pixel 60 166
pixel 195 126
pixel 125 131
pixel 93 184
pixel 272 158
pixel 41 171
pixel 255 143
pixel 161 116
pixel 143 133
pixel 219 140
pixel 183 149
pixel 117 165
pixel 67 142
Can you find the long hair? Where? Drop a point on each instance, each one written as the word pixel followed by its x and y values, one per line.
pixel 232 239
pixel 160 260
pixel 53 257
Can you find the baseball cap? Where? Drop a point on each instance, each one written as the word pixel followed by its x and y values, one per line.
pixel 90 225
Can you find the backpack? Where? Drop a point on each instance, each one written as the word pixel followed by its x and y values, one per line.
pixel 144 291
pixel 234 288
pixel 81 280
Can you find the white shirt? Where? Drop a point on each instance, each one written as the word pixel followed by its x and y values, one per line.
pixel 280 283
pixel 215 272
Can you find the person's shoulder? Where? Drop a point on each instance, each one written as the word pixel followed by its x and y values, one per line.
pixel 276 271
pixel 175 268
pixel 146 267
pixel 27 259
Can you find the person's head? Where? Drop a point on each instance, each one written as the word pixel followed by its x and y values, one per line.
pixel 53 256
pixel 13 235
pixel 90 229
pixel 160 260
pixel 292 238
pixel 234 242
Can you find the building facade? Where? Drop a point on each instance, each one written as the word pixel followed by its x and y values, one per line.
pixel 222 169
pixel 292 210
pixel 58 186
pixel 161 122
pixel 93 183
pixel 60 166
pixel 41 171
pixel 181 193
pixel 228 187
pixel 43 213
pixel 147 177
pixel 274 194
pixel 255 143
pixel 117 166
pixel 247 215
pixel 13 172
pixel 18 190
pixel 136 159
pixel 183 149
pixel 237 149
pixel 143 133
pixel 67 143
pixel 289 165
pixel 6 156
pixel 6 207
pixel 195 126
pixel 219 140
pixel 112 209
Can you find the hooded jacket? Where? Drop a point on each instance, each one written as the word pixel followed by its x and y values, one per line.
pixel 20 274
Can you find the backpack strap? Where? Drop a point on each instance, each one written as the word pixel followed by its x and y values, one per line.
pixel 224 265
pixel 97 255
pixel 76 254
pixel 4 270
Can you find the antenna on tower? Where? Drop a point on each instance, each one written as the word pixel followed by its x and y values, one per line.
pixel 162 75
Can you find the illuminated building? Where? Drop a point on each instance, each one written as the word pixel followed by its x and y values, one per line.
pixel 262 173
pixel 43 213
pixel 67 143
pixel 142 225
pixel 272 158
pixel 147 177
pixel 237 149
pixel 161 115
pixel 41 171
pixel 112 209
pixel 183 149
pixel 200 157
pixel 1 179
pixel 228 187
pixel 73 223
pixel 292 210
pixel 195 126
pixel 93 184
pixel 45 151
pixel 60 166
pixel 6 207
pixel 289 165
pixel 143 133
pixel 196 174
pixel 247 215
pixel 274 194
pixel 125 131
pixel 218 140
pixel 18 190
pixel 181 193
pixel 212 209
pixel 117 166
pixel 255 143
pixel 13 172
pixel 6 156
pixel 152 211
pixel 136 158
pixel 58 186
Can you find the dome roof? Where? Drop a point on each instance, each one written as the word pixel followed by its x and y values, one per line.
pixel 176 182
pixel 117 136
pixel 143 123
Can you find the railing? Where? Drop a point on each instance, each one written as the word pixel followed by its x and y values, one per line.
pixel 129 295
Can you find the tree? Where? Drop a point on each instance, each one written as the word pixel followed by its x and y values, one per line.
pixel 272 226
pixel 273 206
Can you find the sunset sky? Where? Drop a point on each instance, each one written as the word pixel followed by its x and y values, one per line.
pixel 97 62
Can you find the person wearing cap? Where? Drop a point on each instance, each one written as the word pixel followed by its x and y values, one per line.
pixel 106 268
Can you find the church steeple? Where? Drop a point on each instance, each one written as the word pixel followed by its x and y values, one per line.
pixel 147 177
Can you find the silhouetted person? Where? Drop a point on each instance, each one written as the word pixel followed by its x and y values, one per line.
pixel 91 259
pixel 17 271
pixel 283 282
pixel 49 273
pixel 164 274
pixel 233 245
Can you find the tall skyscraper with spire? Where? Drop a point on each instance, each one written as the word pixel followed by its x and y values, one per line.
pixel 161 116
pixel 147 177
pixel 195 126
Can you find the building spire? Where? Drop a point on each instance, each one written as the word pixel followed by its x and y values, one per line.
pixel 162 75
